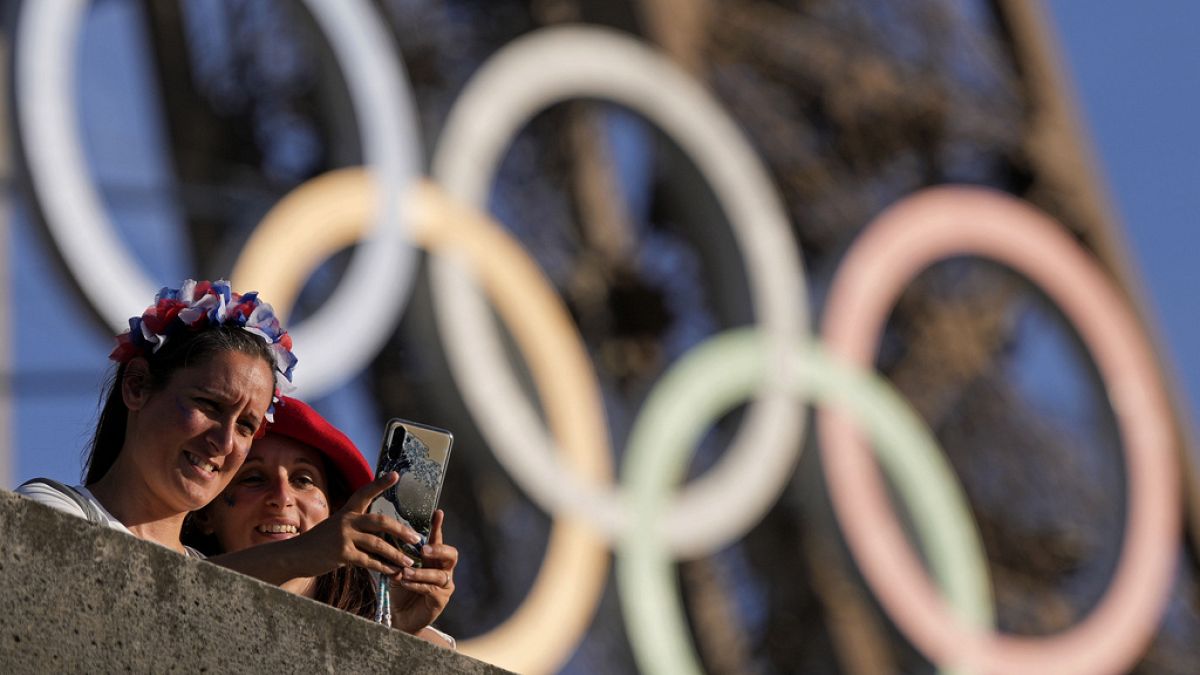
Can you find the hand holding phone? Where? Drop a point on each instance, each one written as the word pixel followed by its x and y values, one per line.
pixel 421 595
pixel 418 453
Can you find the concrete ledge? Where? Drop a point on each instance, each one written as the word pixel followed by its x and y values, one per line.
pixel 81 598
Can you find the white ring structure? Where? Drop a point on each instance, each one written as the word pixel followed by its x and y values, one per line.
pixel 556 64
pixel 382 270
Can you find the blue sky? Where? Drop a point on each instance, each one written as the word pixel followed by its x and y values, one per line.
pixel 1135 70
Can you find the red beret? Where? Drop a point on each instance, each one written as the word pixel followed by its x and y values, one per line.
pixel 296 419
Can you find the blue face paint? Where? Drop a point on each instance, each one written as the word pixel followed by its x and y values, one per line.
pixel 184 409
pixel 227 498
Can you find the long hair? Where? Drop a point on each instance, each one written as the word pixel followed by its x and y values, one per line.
pixel 183 350
pixel 349 589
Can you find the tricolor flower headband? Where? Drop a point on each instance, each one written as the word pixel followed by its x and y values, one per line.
pixel 198 305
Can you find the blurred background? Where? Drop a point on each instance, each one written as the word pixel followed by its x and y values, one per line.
pixel 190 121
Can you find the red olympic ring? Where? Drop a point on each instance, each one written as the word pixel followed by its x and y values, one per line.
pixel 947 221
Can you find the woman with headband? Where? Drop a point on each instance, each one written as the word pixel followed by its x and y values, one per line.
pixel 197 378
pixel 294 477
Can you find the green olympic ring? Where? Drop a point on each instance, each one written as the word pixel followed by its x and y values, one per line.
pixel 710 380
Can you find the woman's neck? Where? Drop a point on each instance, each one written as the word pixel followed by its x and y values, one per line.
pixel 131 502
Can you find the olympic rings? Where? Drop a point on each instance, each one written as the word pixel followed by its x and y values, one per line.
pixel 948 221
pixel 328 213
pixel 710 380
pixel 381 272
pixel 551 65
pixel 538 70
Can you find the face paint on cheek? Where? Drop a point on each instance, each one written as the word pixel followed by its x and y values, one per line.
pixel 228 499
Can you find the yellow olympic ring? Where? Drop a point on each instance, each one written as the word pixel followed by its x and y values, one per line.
pixel 329 213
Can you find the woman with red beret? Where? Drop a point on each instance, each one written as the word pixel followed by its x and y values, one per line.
pixel 303 491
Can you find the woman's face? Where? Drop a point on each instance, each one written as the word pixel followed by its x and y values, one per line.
pixel 188 438
pixel 279 492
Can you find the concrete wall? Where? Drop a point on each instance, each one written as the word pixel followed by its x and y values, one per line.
pixel 75 597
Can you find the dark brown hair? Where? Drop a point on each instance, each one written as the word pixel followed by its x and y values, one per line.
pixel 349 589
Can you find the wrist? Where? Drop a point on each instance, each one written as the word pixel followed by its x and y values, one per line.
pixel 435 636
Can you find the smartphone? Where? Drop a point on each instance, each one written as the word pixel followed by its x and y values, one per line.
pixel 418 453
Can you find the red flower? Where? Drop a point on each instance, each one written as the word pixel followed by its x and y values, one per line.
pixel 244 309
pixel 125 349
pixel 158 317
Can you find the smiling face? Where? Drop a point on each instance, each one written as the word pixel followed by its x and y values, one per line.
pixel 187 439
pixel 280 491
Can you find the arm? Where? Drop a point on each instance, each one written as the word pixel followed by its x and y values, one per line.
pixel 348 537
pixel 437 637
pixel 274 563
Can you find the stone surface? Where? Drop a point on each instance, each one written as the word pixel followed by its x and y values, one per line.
pixel 75 597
